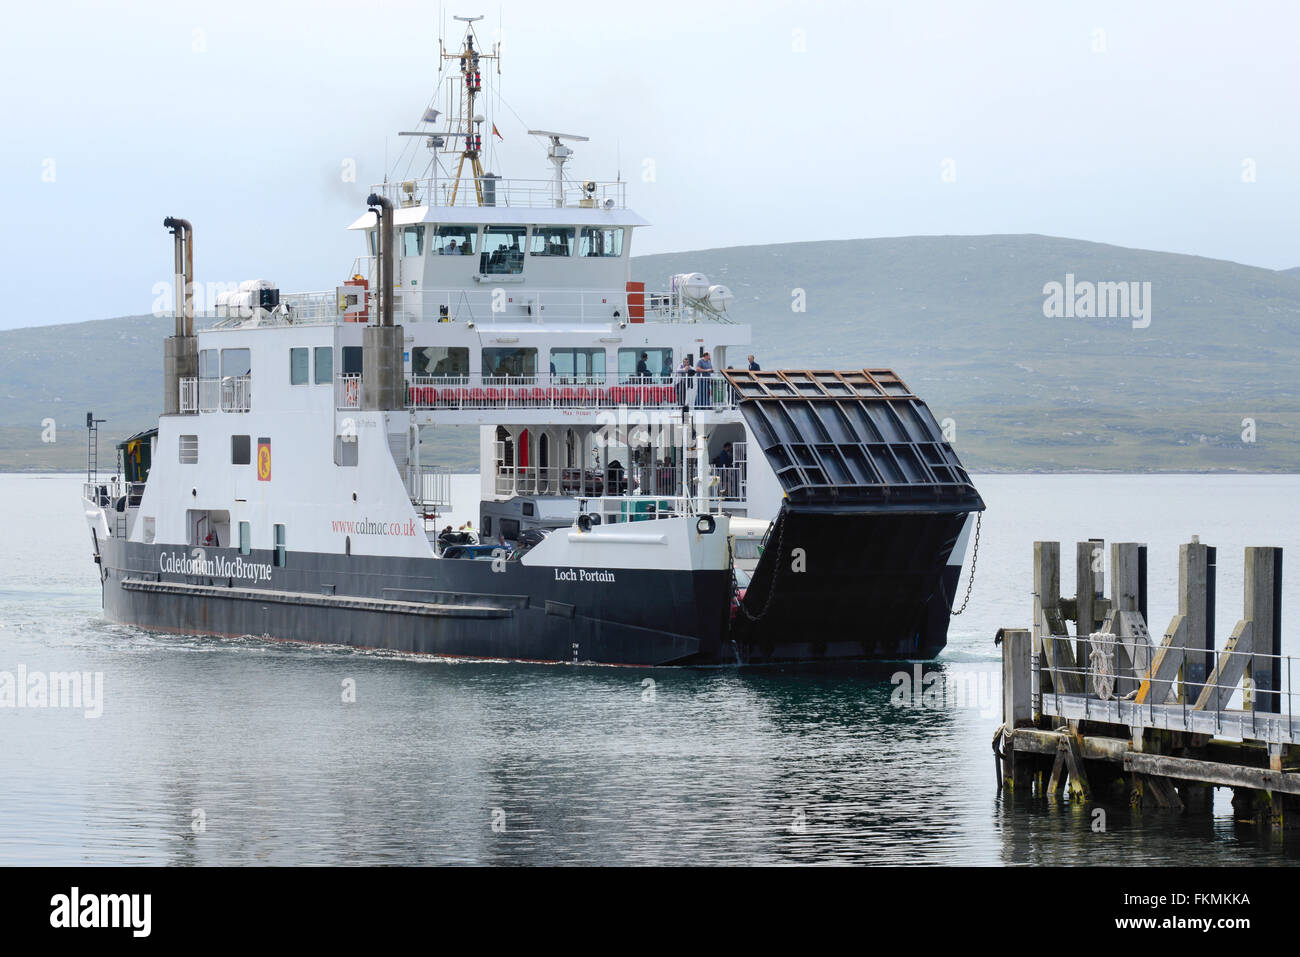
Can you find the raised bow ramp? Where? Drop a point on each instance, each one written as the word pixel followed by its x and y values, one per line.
pixel 875 504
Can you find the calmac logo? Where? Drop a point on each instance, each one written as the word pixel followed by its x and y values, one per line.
pixel 264 460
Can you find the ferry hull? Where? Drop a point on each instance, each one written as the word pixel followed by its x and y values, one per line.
pixel 464 609
pixel 450 608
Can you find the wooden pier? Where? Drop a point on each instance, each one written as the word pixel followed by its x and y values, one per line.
pixel 1106 713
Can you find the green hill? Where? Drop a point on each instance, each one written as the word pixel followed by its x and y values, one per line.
pixel 960 318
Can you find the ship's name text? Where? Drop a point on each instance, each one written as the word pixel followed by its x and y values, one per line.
pixel 582 575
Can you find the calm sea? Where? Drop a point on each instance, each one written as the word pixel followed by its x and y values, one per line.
pixel 244 752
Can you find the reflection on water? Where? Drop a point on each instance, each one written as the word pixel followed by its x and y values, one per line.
pixel 216 752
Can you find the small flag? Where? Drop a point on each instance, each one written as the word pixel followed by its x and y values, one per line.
pixel 431 115
pixel 497 133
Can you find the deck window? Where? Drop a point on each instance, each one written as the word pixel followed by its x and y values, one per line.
pixel 209 364
pixel 352 356
pixel 440 361
pixel 503 250
pixel 578 363
pixel 245 538
pixel 235 362
pixel 657 363
pixel 455 240
pixel 297 366
pixel 412 240
pixel 189 450
pixel 551 241
pixel 602 241
pixel 324 364
pixel 515 363
pixel 240 450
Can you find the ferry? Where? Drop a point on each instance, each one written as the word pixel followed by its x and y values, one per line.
pixel 646 494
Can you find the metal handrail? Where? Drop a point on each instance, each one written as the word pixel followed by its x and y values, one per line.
pixel 546 391
pixel 1181 686
pixel 507 192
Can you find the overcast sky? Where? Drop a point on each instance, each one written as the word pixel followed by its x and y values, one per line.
pixel 1139 124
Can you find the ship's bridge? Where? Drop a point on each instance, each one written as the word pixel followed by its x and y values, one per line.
pixel 510 263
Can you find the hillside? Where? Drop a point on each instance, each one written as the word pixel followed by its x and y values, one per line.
pixel 960 318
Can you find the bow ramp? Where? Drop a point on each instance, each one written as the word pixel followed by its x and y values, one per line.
pixel 875 504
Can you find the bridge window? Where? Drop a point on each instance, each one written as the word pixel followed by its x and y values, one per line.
pixel 324 364
pixel 455 240
pixel 240 450
pixel 503 250
pixel 235 362
pixel 601 242
pixel 189 449
pixel 551 241
pixel 510 362
pixel 297 366
pixel 657 362
pixel 412 240
pixel 440 361
pixel 578 362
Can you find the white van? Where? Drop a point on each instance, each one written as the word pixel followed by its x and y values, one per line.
pixel 746 535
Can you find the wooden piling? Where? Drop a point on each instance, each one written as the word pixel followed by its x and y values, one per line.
pixel 1195 604
pixel 1263 606
pixel 1173 750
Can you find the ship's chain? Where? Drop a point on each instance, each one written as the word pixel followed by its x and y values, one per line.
pixel 974 557
pixel 776 567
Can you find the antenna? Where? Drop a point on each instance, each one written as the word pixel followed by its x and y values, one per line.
pixel 465 125
pixel 558 154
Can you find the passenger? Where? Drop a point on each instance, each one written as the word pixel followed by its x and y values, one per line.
pixel 753 366
pixel 450 250
pixel 704 388
pixel 643 366
pixel 725 460
pixel 685 370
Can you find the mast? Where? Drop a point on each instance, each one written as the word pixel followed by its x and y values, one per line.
pixel 465 123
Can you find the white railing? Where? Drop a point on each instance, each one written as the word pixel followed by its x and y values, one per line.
pixel 217 393
pixel 236 393
pixel 429 486
pixel 492 299
pixel 499 191
pixel 347 391
pixel 468 393
pixel 663 481
pixel 189 395
pixel 498 299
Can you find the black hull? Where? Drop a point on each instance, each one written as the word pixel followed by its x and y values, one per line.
pixel 444 607
pixel 462 608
